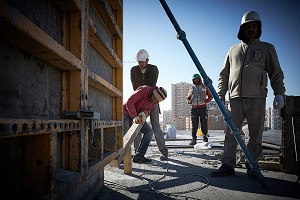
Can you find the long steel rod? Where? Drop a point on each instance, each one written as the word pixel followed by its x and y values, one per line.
pixel 207 81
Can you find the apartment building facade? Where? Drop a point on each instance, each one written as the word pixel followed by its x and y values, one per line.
pixel 180 108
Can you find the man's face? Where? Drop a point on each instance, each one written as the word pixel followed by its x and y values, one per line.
pixel 143 64
pixel 250 30
pixel 196 81
pixel 153 99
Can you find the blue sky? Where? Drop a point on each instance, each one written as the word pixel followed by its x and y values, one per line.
pixel 211 28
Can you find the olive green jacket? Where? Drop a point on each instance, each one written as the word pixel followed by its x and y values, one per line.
pixel 148 78
pixel 246 68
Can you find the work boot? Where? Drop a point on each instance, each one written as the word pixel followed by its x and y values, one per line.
pixel 163 157
pixel 193 142
pixel 250 172
pixel 224 170
pixel 141 159
pixel 205 138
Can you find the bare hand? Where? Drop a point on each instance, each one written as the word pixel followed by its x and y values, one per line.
pixel 222 97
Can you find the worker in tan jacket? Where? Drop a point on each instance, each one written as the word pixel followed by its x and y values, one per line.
pixel 245 75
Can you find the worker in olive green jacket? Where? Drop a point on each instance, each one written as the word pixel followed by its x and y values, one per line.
pixel 147 74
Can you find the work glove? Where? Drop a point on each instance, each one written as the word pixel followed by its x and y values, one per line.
pixel 278 102
pixel 136 120
pixel 142 117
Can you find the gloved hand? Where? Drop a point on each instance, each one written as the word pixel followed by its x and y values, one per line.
pixel 278 102
pixel 136 120
pixel 142 117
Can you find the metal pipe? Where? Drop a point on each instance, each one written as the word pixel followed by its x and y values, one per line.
pixel 207 81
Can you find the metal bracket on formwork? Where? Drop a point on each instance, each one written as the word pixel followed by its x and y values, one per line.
pixel 88 114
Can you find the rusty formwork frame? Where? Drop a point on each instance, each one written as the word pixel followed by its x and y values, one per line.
pixel 70 58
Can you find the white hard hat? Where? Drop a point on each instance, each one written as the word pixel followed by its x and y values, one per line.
pixel 160 94
pixel 250 17
pixel 142 55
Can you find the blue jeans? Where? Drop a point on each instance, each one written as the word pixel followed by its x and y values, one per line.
pixel 158 134
pixel 145 130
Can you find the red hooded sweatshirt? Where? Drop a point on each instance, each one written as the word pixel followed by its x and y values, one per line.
pixel 139 101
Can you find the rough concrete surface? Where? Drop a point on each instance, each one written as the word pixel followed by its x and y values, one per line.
pixel 186 175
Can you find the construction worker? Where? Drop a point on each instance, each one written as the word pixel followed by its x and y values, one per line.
pixel 137 108
pixel 244 75
pixel 198 96
pixel 147 74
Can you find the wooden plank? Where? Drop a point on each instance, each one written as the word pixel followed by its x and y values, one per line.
pixel 76 35
pixel 75 143
pixel 98 82
pixel 21 32
pixel 101 164
pixel 121 153
pixel 105 50
pixel 107 15
pixel 128 162
pixel 118 101
pixel 68 5
pixel 65 152
pixel 65 91
pixel 102 143
pixel 75 90
pixel 75 138
pixel 127 141
pixel 66 30
pixel 82 48
pixel 271 146
pixel 116 5
pixel 269 165
pixel 53 164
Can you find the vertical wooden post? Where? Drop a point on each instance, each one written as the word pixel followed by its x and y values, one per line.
pixel 53 164
pixel 127 162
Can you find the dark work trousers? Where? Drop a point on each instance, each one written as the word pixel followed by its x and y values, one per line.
pixel 197 113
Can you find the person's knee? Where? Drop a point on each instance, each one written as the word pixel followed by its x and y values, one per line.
pixel 150 134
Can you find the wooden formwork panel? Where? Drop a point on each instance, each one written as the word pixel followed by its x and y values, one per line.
pixel 70 62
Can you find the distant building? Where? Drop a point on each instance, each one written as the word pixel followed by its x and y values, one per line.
pixel 167 118
pixel 180 108
pixel 273 119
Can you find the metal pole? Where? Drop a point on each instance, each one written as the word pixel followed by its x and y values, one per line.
pixel 207 81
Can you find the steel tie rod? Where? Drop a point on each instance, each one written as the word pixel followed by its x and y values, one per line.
pixel 208 82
